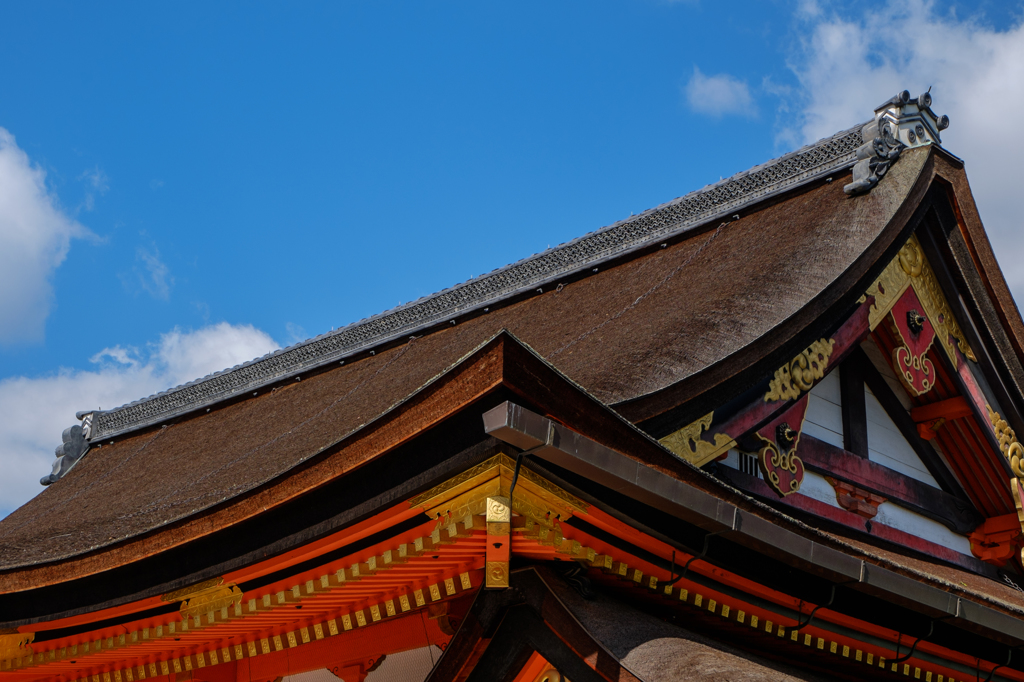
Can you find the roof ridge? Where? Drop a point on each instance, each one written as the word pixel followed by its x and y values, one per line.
pixel 666 220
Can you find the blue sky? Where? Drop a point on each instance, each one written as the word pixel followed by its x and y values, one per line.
pixel 191 185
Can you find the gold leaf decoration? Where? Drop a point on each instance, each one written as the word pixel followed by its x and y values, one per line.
pixel 800 373
pixel 14 644
pixel 886 290
pixel 688 443
pixel 1008 444
pixel 209 595
pixel 911 268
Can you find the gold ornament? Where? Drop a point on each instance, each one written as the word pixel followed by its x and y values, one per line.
pixel 688 443
pixel 801 372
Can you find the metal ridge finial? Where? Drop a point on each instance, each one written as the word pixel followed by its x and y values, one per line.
pixel 900 123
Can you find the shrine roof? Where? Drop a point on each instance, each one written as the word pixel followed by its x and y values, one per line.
pixel 669 303
pixel 687 214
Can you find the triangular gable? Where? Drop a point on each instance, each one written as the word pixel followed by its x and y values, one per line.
pixel 888 446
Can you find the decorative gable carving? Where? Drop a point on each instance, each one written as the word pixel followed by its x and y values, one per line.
pixel 781 467
pixel 910 269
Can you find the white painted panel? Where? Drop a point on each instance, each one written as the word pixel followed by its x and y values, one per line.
pixel 828 388
pixel 889 514
pixel 888 447
pixel 824 418
pixel 913 523
pixel 816 487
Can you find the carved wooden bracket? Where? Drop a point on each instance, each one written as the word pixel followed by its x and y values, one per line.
pixel 857 500
pixel 783 471
pixel 997 540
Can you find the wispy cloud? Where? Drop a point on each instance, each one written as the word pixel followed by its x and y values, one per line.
pixel 295 333
pixel 97 182
pixel 718 95
pixel 35 236
pixel 152 274
pixel 850 63
pixel 37 409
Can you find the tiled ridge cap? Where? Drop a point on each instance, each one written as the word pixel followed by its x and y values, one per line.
pixel 723 198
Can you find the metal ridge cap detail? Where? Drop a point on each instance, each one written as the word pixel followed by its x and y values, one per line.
pixel 620 238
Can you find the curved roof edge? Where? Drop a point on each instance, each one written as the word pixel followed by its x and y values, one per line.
pixel 826 156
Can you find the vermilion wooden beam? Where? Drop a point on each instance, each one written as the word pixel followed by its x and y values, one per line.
pixel 951 408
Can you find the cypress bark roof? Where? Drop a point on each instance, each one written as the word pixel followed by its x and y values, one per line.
pixel 717 297
pixel 680 216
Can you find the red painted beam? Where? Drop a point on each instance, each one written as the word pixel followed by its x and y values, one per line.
pixel 826 511
pixel 949 409
pixel 829 460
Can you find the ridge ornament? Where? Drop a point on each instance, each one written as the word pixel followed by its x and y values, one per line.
pixel 900 123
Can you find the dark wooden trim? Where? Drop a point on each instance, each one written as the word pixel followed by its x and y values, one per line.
pixel 854 407
pixel 908 429
pixel 828 460
pixel 997 361
pixel 504 627
pixel 986 318
pixel 523 631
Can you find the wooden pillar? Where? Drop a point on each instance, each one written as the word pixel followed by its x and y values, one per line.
pixel 851 391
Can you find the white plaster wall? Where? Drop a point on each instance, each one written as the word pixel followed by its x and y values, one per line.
pixel 816 487
pixel 910 522
pixel 824 417
pixel 892 515
pixel 888 447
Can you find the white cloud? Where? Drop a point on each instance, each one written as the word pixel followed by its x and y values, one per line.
pixel 850 64
pixel 37 409
pixel 718 95
pixel 35 235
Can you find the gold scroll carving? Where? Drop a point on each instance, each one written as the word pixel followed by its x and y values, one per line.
pixel 1008 444
pixel 800 373
pixel 204 597
pixel 1014 453
pixel 911 268
pixel 688 443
